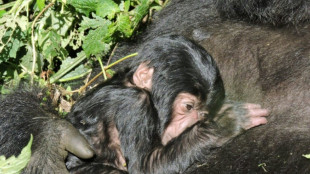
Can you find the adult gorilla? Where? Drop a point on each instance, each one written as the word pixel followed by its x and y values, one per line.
pixel 263 54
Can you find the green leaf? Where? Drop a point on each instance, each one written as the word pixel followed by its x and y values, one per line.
pixel 26 61
pixel 59 22
pixel 15 45
pixel 14 40
pixel 50 43
pixel 127 6
pixel 67 65
pixel 88 23
pixel 77 73
pixel 140 11
pixel 122 6
pixel 22 22
pixel 41 4
pixel 107 8
pixel 2 12
pixel 14 165
pixel 76 38
pixel 306 156
pixel 84 6
pixel 68 62
pixel 124 24
pixel 99 40
pixel 94 42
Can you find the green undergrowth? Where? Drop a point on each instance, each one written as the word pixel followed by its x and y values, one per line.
pixel 54 42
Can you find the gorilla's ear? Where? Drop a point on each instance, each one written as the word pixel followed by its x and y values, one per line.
pixel 142 78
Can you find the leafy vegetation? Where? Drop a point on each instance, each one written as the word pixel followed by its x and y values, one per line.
pixel 57 41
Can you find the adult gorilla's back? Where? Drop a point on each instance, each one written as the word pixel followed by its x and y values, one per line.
pixel 259 63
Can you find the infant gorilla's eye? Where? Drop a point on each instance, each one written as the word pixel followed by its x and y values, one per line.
pixel 189 107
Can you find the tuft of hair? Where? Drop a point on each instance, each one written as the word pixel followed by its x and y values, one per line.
pixel 275 12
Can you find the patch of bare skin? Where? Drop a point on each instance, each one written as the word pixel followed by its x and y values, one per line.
pixel 186 112
pixel 256 114
pixel 115 144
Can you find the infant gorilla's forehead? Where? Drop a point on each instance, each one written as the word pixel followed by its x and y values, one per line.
pixel 180 63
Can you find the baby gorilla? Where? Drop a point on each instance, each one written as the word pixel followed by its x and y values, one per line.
pixel 160 115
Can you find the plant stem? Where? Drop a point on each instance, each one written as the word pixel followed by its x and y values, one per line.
pixel 102 69
pixel 33 41
pixel 105 68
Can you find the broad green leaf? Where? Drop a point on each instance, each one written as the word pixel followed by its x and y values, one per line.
pixel 8 21
pixel 84 6
pixel 124 24
pixel 60 22
pixel 14 165
pixel 107 8
pixel 306 156
pixel 88 23
pixel 26 61
pixel 13 40
pixel 3 28
pixel 67 65
pixel 15 44
pixel 41 4
pixel 77 73
pixel 22 22
pixel 98 40
pixel 50 43
pixel 94 42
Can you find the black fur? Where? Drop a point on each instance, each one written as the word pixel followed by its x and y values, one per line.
pixel 24 113
pixel 179 66
pixel 275 12
pixel 260 64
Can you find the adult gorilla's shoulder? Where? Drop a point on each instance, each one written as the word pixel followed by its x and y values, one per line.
pixel 262 49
